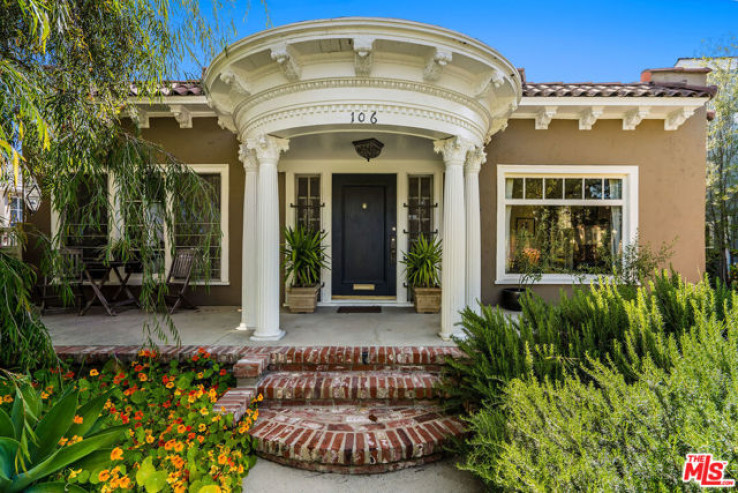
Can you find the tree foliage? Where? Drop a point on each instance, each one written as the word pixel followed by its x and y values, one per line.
pixel 68 69
pixel 722 157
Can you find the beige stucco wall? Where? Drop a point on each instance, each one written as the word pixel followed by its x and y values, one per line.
pixel 671 181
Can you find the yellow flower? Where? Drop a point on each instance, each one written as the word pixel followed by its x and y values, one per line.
pixel 222 459
pixel 124 482
pixel 116 454
pixel 178 447
pixel 204 411
pixel 78 420
pixel 8 398
pixel 94 373
pixel 103 476
pixel 44 395
pixel 143 377
pixel 75 439
pixel 150 439
pixel 63 441
pixel 202 427
pixel 170 385
pixel 73 473
pixel 200 376
pixel 216 418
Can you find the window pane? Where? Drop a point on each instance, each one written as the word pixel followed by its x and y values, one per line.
pixel 514 188
pixel 613 189
pixel 193 227
pixel 87 224
pixel 573 188
pixel 593 188
pixel 554 188
pixel 307 214
pixel 419 207
pixel 534 188
pixel 564 239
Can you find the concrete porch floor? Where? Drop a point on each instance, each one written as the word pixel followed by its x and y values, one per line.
pixel 394 326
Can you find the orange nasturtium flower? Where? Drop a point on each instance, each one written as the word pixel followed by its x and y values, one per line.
pixel 78 420
pixel 143 377
pixel 94 373
pixel 104 475
pixel 116 454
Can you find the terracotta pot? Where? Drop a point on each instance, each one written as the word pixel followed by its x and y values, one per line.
pixel 302 300
pixel 427 300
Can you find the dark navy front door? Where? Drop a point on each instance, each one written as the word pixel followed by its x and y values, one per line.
pixel 364 235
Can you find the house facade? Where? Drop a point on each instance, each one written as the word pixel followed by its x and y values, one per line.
pixel 284 124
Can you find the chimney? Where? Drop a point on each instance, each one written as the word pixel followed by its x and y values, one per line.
pixel 677 75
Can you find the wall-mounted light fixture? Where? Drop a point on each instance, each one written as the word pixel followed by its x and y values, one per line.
pixel 368 148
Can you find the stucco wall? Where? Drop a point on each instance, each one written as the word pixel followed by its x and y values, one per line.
pixel 671 181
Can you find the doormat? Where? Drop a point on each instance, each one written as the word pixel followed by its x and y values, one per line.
pixel 359 309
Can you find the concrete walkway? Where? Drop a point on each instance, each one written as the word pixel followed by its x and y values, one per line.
pixel 216 325
pixel 439 477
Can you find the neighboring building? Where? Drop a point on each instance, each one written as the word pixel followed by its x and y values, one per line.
pixel 472 151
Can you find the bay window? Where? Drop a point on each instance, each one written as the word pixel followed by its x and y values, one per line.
pixel 571 221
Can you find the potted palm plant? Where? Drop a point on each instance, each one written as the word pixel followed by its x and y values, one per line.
pixel 303 259
pixel 422 265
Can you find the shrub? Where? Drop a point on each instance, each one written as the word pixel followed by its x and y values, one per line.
pixel 551 341
pixel 174 440
pixel 24 340
pixel 598 432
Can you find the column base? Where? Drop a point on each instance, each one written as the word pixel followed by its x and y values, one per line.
pixel 270 337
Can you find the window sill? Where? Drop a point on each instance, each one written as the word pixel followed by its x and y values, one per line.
pixel 551 279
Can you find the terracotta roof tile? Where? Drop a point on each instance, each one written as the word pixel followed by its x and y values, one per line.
pixel 530 89
pixel 615 89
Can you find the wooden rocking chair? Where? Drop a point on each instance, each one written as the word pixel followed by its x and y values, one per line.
pixel 179 275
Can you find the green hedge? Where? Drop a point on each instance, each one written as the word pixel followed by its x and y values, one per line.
pixel 552 341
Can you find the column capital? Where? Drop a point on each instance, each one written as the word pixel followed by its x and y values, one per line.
pixel 248 157
pixel 475 159
pixel 267 147
pixel 453 149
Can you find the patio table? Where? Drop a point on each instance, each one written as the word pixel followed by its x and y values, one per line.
pixel 103 271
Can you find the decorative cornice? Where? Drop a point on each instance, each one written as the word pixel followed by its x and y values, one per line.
pixel 236 83
pixel 267 148
pixel 634 117
pixel 498 125
pixel 675 119
pixel 285 56
pixel 352 82
pixel 436 63
pixel 182 115
pixel 544 117
pixel 588 117
pixel 139 115
pixel 363 56
pixel 454 150
pixel 315 109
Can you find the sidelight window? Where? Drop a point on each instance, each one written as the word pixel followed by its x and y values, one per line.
pixel 308 203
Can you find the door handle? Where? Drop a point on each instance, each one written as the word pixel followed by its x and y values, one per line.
pixel 393 248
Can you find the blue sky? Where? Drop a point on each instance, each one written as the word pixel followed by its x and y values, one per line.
pixel 554 40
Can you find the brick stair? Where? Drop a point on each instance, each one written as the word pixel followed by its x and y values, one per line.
pixel 355 410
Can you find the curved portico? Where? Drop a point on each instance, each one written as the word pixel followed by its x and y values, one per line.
pixel 407 83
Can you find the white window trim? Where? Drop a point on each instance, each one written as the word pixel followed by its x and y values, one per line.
pixel 629 202
pixel 115 221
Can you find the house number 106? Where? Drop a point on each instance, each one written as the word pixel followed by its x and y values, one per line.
pixel 362 117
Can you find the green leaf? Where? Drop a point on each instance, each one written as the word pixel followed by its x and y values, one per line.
pixel 210 488
pixel 53 426
pixel 95 460
pixel 6 425
pixel 156 482
pixel 145 471
pixel 8 452
pixel 66 457
pixel 55 488
pixel 89 413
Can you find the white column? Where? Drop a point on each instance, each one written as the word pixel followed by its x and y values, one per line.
pixel 267 150
pixel 453 274
pixel 473 229
pixel 248 258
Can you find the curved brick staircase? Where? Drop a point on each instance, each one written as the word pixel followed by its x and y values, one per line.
pixel 346 409
pixel 353 410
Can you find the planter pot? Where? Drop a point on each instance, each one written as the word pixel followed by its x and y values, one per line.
pixel 511 299
pixel 427 300
pixel 302 300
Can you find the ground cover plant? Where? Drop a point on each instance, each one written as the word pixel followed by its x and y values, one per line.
pixel 144 426
pixel 629 330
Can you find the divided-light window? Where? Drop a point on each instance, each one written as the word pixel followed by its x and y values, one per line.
pixel 571 223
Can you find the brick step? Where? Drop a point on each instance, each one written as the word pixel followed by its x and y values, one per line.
pixel 354 439
pixel 361 358
pixel 349 386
